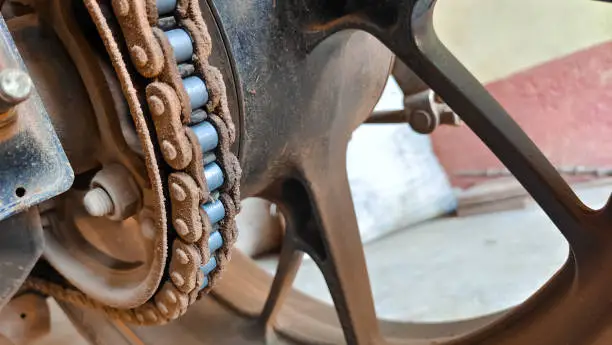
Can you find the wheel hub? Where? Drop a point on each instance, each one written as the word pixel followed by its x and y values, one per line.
pixel 297 84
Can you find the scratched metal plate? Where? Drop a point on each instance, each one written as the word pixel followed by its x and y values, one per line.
pixel 33 165
pixel 21 244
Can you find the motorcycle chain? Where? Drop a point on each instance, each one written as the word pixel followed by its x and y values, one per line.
pixel 200 248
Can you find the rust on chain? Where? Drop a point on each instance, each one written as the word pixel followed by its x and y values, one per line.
pixel 168 105
pixel 144 49
pixel 165 110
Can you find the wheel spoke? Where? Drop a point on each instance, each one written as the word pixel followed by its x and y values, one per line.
pixel 414 41
pixel 406 27
pixel 289 262
pixel 323 223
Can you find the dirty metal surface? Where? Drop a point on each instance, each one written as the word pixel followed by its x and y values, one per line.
pixel 21 244
pixel 300 109
pixel 25 319
pixel 295 87
pixel 295 157
pixel 60 87
pixel 33 165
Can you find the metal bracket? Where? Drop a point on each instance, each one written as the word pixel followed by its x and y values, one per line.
pixel 33 165
pixel 424 111
pixel 21 244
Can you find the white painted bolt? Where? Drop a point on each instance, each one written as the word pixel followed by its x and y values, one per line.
pixel 98 203
pixel 15 86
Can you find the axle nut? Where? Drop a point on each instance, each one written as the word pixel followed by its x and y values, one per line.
pixel 98 203
pixel 113 193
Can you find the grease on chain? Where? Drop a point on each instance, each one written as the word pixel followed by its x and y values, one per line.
pixel 198 254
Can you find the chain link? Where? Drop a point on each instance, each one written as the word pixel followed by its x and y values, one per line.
pixel 202 247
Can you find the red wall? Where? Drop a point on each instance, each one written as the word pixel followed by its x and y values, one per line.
pixel 565 106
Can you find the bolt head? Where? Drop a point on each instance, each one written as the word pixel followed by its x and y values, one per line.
pixel 423 122
pixel 15 85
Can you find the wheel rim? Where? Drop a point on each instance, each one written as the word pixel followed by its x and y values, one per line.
pixel 568 309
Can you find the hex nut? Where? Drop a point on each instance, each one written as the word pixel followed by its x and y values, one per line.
pixel 125 194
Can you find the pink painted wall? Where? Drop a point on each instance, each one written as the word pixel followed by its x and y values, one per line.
pixel 565 106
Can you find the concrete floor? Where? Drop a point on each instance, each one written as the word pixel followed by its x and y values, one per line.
pixel 457 268
pixel 444 269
